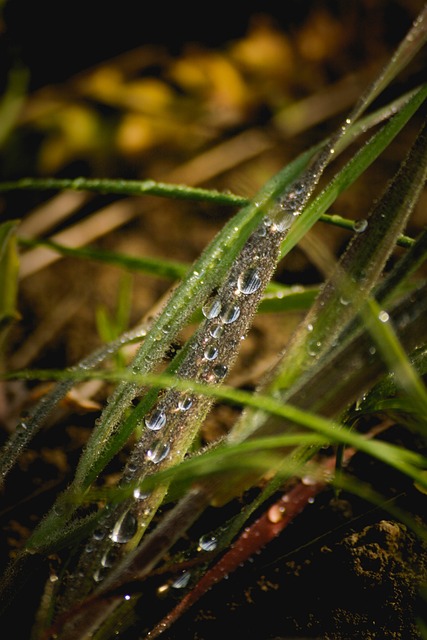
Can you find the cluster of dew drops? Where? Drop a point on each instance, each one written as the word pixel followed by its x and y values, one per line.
pixel 218 316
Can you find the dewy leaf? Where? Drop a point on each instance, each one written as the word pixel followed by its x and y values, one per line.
pixel 9 268
pixel 359 269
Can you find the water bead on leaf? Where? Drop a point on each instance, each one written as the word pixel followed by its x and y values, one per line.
pixel 360 225
pixel 220 371
pixel 211 353
pixel 216 330
pixel 212 309
pixel 249 281
pixel 155 420
pixel 158 451
pixel 185 403
pixel 208 542
pixel 125 528
pixel 181 581
pixel 230 313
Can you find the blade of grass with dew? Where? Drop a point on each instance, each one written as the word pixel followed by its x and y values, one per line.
pixel 361 265
pixel 125 512
pixel 371 92
pixel 365 156
pixel 405 461
pixel 197 285
pixel 379 325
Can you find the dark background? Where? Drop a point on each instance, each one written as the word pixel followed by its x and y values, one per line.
pixel 55 39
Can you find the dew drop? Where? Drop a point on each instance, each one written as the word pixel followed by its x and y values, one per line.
pixel 100 574
pixel 125 528
pixel 155 420
pixel 344 301
pixel 211 353
pixel 185 403
pixel 249 281
pixel 360 225
pixel 220 370
pixel 275 513
pixel 212 309
pixel 98 534
pixel 158 451
pixel 181 581
pixel 108 558
pixel 139 494
pixel 383 316
pixel 216 330
pixel 208 542
pixel 230 313
pixel 308 481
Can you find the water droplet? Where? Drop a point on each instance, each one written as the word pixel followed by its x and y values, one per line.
pixel 211 353
pixel 360 225
pixel 310 327
pixel 108 558
pixel 220 370
pixel 125 528
pixel 383 316
pixel 158 451
pixel 208 542
pixel 185 403
pixel 344 301
pixel 100 574
pixel 372 350
pixel 284 221
pixel 181 581
pixel 230 313
pixel 155 420
pixel 216 330
pixel 139 494
pixel 275 513
pixel 249 281
pixel 309 481
pixel 212 309
pixel 313 347
pixel 99 534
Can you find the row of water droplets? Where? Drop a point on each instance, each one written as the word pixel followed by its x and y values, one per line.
pixel 227 316
pixel 220 314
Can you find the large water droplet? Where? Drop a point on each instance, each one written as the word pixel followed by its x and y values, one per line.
pixel 98 534
pixel 185 403
pixel 181 581
pixel 360 225
pixel 140 494
pixel 249 281
pixel 230 313
pixel 208 542
pixel 125 528
pixel 211 353
pixel 100 574
pixel 216 330
pixel 212 309
pixel 383 316
pixel 220 370
pixel 108 558
pixel 155 420
pixel 158 451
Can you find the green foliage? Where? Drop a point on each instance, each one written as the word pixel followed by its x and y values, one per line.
pixel 359 351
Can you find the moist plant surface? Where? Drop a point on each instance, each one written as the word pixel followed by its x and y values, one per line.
pixel 213 336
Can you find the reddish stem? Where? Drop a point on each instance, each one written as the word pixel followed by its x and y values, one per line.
pixel 253 539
